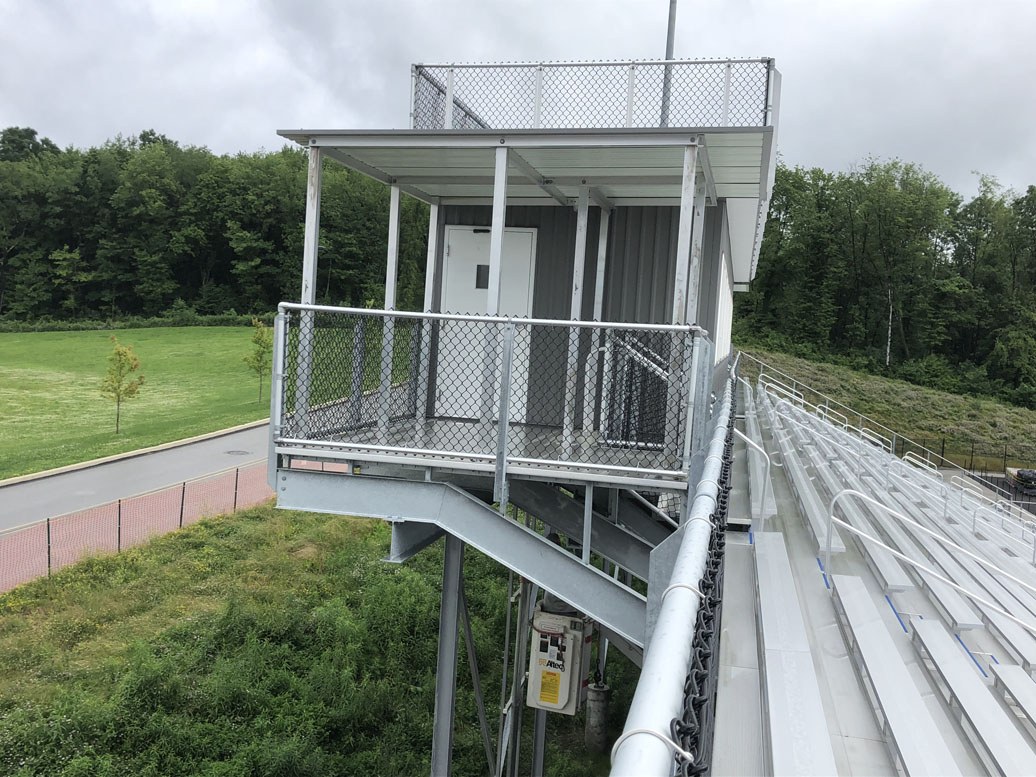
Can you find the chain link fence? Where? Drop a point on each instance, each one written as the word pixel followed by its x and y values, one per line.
pixel 725 93
pixel 36 550
pixel 483 391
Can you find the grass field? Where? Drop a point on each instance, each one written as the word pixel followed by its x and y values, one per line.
pixel 54 414
pixel 264 643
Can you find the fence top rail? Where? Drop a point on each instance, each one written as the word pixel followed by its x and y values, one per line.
pixel 589 63
pixel 486 319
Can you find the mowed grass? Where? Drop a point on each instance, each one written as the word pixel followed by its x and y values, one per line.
pixel 54 413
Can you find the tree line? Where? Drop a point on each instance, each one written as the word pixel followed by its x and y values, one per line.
pixel 888 268
pixel 139 225
pixel 883 266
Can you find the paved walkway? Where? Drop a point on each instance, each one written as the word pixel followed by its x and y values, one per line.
pixel 34 500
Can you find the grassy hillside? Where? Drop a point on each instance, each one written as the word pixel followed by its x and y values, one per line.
pixel 54 413
pixel 266 643
pixel 921 414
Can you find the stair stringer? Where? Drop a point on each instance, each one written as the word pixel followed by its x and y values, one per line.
pixel 527 553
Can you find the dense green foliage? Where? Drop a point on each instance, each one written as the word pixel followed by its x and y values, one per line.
pixel 840 249
pixel 54 414
pixel 131 227
pixel 266 643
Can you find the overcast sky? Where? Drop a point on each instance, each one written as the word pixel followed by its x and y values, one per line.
pixel 945 83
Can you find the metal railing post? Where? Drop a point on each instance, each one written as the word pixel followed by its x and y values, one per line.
pixel 448 116
pixel 49 552
pixel 537 98
pixel 500 494
pixel 280 342
pixel 118 527
pixel 631 90
pixel 183 496
pixel 237 475
pixel 724 114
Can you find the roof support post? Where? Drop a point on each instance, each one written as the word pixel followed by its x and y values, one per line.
pixel 575 313
pixel 596 345
pixel 431 268
pixel 694 268
pixel 446 663
pixel 683 240
pixel 311 236
pixel 389 331
pixel 310 247
pixel 496 231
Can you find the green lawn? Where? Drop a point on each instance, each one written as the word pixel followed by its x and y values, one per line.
pixel 54 413
pixel 263 643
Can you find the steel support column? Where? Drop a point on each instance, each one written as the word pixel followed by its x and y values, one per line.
pixel 430 271
pixel 310 247
pixel 496 231
pixel 683 240
pixel 388 335
pixel 539 742
pixel 694 266
pixel 590 382
pixel 575 313
pixel 446 664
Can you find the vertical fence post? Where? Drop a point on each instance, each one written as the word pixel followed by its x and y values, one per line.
pixel 631 89
pixel 183 495
pixel 971 465
pixel 118 527
pixel 1005 459
pixel 942 451
pixel 48 548
pixel 237 475
pixel 537 98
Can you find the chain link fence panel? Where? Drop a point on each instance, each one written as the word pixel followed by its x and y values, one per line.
pixel 729 93
pixel 469 389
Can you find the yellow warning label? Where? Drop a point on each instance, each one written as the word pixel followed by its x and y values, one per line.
pixel 550 687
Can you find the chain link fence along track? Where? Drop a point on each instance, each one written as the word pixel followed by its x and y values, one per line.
pixel 33 551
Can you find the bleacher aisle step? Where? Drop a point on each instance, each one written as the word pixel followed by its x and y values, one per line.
pixel 795 730
pixel 911 733
pixel 994 735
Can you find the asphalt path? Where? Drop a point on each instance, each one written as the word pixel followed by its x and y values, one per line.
pixel 66 492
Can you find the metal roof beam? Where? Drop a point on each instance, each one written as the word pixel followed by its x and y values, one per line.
pixel 534 175
pixel 706 168
pixel 379 175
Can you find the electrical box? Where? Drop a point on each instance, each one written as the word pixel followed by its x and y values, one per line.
pixel 559 662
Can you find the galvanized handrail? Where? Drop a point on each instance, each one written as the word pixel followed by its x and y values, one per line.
pixel 935 535
pixel 1031 628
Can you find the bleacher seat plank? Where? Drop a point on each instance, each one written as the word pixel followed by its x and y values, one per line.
pixel 796 729
pixel 1019 683
pixel 997 738
pixel 916 738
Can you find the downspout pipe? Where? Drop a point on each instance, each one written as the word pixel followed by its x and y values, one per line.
pixel 643 748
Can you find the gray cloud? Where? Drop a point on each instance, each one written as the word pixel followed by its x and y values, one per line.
pixel 943 83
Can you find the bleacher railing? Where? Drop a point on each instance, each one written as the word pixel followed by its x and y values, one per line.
pixel 37 549
pixel 891 439
pixel 591 95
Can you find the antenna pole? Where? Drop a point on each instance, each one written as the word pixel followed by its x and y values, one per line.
pixel 668 78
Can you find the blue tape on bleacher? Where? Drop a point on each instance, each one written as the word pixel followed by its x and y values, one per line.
pixel 896 613
pixel 983 671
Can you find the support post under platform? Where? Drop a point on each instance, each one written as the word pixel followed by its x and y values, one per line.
pixel 446 666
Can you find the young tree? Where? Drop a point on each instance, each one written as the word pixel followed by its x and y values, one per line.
pixel 118 383
pixel 259 360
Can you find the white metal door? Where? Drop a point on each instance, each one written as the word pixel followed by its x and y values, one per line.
pixel 465 290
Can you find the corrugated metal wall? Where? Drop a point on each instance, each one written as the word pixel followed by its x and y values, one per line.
pixel 638 288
